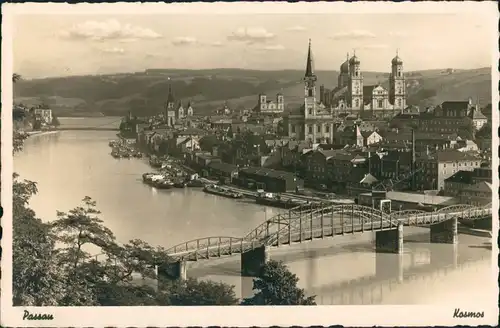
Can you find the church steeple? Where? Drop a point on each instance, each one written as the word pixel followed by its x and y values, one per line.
pixel 310 85
pixel 170 97
pixel 310 64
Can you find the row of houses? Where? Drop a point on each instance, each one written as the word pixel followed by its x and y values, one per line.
pixel 470 187
pixel 341 167
pixel 270 180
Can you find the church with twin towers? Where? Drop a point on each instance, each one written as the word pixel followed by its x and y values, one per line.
pixel 350 96
pixel 353 95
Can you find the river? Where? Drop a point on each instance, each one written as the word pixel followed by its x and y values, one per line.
pixel 70 165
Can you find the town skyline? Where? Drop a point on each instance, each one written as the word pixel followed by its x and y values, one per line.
pixel 89 45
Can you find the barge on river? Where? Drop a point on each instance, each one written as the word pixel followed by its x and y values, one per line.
pixel 157 180
pixel 219 191
pixel 269 199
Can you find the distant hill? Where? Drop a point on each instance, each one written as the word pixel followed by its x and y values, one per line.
pixel 146 92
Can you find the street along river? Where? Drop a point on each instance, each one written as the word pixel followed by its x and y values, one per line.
pixel 69 165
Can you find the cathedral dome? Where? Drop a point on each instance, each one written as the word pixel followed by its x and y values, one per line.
pixel 344 68
pixel 397 60
pixel 354 60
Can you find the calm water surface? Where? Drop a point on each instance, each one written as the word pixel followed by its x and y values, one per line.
pixel 70 165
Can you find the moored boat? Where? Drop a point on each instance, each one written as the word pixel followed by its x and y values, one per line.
pixel 147 177
pixel 163 184
pixel 155 162
pixel 195 184
pixel 219 191
pixel 180 184
pixel 276 202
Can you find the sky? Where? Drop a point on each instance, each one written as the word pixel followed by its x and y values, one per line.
pixel 67 44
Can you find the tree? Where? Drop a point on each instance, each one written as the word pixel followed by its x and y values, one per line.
pixel 18 140
pixel 276 285
pixel 35 276
pixel 55 121
pixel 37 125
pixel 485 131
pixel 16 77
pixel 193 292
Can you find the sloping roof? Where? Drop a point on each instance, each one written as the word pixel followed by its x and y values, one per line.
pixel 480 186
pixel 455 105
pixel 206 156
pixel 299 145
pixel 224 167
pixel 369 179
pixel 461 177
pixel 267 172
pixel 344 156
pixel 328 153
pixel 192 131
pixel 330 147
pixel 367 134
pixel 421 198
pixel 454 155
pixel 402 156
pixel 477 115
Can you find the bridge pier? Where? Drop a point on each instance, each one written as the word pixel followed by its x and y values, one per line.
pixel 389 241
pixel 171 271
pixel 445 232
pixel 253 260
pixel 485 223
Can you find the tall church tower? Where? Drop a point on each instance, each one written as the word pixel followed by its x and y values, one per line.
pixel 397 87
pixel 355 84
pixel 170 99
pixel 310 85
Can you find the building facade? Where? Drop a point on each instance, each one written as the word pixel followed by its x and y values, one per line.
pixel 352 96
pixel 266 106
pixel 434 169
pixel 173 112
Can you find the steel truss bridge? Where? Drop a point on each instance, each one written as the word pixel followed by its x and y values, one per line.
pixel 302 224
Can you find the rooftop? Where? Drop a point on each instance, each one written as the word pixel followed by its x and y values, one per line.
pixel 461 177
pixel 267 172
pixel 421 198
pixel 477 115
pixel 224 167
pixel 455 105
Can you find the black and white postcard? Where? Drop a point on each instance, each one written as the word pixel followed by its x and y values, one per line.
pixel 249 164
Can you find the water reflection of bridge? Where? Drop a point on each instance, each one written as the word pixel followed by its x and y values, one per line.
pixel 391 273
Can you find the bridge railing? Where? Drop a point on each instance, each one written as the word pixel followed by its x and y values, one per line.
pixel 301 220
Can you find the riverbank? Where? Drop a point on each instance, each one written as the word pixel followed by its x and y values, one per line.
pixel 41 133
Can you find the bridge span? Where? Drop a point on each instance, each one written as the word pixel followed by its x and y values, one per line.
pixel 302 224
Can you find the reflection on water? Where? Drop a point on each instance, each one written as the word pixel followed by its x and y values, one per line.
pixel 343 270
pixel 366 277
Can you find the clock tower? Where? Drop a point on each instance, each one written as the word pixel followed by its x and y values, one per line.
pixel 355 84
pixel 397 87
